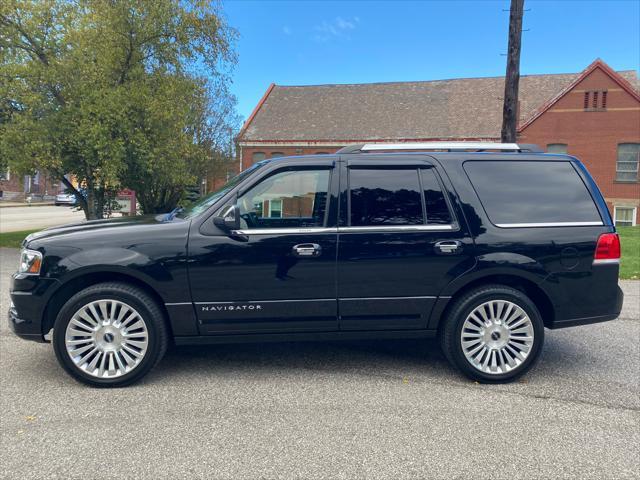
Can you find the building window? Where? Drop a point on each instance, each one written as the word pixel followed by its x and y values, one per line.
pixel 258 156
pixel 624 216
pixel 322 153
pixel 5 175
pixel 275 208
pixel 595 100
pixel 557 148
pixel 277 154
pixel 627 164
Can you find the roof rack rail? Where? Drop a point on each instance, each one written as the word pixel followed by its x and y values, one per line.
pixel 446 146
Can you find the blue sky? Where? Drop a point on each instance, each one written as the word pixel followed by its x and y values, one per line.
pixel 309 42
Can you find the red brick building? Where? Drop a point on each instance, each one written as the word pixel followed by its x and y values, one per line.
pixel 594 114
pixel 19 187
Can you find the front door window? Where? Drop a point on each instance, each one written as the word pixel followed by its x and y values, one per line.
pixel 287 199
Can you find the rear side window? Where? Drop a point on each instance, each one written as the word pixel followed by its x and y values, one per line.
pixel 437 209
pixel 385 197
pixel 396 196
pixel 521 192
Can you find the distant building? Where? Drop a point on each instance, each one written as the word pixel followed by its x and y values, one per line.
pixel 594 115
pixel 19 187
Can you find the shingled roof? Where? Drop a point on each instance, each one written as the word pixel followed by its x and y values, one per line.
pixel 440 109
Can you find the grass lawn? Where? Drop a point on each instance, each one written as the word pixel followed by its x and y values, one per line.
pixel 14 239
pixel 629 237
pixel 630 262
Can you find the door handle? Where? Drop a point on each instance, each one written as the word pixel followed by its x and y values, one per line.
pixel 448 247
pixel 307 250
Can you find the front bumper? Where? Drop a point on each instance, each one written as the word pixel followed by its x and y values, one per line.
pixel 22 327
pixel 29 296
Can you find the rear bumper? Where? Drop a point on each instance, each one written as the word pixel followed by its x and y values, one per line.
pixel 574 322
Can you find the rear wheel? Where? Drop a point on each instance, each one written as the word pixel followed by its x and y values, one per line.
pixel 109 335
pixel 493 334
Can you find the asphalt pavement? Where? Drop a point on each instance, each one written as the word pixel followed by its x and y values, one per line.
pixel 15 219
pixel 328 410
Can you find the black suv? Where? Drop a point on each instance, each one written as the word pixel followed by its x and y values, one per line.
pixel 482 245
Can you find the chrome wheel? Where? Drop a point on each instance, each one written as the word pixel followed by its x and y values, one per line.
pixel 106 338
pixel 497 336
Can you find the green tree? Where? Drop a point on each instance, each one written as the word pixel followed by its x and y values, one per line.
pixel 113 93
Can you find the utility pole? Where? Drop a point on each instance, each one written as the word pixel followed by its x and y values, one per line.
pixel 512 78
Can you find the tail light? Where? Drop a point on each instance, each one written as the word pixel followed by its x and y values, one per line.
pixel 607 249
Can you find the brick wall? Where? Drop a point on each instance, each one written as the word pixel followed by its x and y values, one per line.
pixel 594 135
pixel 249 152
pixel 43 184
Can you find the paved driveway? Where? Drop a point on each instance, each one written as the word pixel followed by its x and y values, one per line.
pixel 328 410
pixel 14 219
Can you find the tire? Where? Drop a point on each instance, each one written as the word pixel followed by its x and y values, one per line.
pixel 116 352
pixel 492 351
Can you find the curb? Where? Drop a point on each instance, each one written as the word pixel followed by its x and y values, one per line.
pixel 39 204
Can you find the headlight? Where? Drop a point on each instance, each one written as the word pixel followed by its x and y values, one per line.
pixel 30 262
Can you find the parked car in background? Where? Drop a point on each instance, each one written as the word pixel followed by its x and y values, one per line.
pixel 65 199
pixel 481 245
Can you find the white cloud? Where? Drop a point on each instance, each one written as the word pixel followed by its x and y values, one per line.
pixel 339 27
pixel 343 24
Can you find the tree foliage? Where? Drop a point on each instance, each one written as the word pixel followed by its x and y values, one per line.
pixel 126 93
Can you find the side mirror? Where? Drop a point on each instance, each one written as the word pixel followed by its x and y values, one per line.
pixel 229 219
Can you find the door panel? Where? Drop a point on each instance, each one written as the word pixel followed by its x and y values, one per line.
pixel 278 272
pixel 390 274
pixel 259 284
pixel 391 280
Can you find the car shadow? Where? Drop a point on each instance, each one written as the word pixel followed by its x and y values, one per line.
pixel 371 357
pixel 417 359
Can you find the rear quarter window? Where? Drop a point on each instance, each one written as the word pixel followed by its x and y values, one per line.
pixel 514 193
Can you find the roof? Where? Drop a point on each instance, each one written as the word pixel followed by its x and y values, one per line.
pixel 440 109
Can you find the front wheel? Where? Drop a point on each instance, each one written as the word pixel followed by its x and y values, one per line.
pixel 109 335
pixel 493 334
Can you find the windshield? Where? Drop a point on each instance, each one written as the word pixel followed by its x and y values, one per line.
pixel 205 202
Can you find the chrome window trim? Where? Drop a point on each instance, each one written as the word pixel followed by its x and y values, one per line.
pixel 372 228
pixel 397 228
pixel 284 231
pixel 549 224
